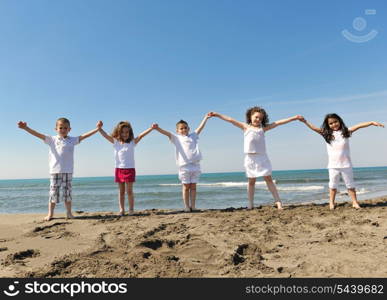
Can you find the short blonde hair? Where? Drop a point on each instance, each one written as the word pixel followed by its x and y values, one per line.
pixel 63 120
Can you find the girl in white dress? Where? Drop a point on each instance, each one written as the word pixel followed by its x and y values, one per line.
pixel 336 136
pixel 256 161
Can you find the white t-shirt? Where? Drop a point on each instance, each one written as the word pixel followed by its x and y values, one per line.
pixel 124 154
pixel 61 153
pixel 187 148
pixel 338 151
pixel 254 141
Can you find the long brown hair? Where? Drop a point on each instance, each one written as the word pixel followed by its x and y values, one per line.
pixel 118 129
pixel 327 132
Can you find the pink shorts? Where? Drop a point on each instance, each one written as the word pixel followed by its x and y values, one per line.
pixel 125 175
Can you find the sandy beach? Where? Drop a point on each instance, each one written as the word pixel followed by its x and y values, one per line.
pixel 300 241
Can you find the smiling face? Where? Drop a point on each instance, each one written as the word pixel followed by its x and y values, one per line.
pixel 256 119
pixel 182 129
pixel 62 128
pixel 124 134
pixel 334 124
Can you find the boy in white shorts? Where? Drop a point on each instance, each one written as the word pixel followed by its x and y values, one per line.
pixel 188 158
pixel 61 161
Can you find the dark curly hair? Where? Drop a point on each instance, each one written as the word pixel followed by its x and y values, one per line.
pixel 327 132
pixel 118 129
pixel 255 109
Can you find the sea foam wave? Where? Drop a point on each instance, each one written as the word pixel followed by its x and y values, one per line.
pixel 301 188
pixel 217 184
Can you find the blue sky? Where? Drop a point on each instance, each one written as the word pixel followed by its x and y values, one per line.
pixel 162 61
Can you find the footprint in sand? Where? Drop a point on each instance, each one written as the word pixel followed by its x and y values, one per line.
pixel 53 231
pixel 19 257
pixel 156 244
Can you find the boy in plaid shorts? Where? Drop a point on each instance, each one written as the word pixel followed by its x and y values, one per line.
pixel 61 161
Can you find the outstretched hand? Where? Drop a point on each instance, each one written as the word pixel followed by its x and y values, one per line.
pixel 22 124
pixel 377 124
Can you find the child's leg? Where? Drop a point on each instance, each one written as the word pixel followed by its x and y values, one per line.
pixel 121 197
pixel 185 191
pixel 192 195
pixel 352 193
pixel 69 214
pixel 347 174
pixel 250 192
pixel 334 179
pixel 332 197
pixel 273 189
pixel 66 193
pixel 55 183
pixel 129 191
pixel 51 207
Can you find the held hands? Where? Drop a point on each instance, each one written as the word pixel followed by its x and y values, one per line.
pixel 99 125
pixel 155 126
pixel 299 118
pixel 22 125
pixel 212 114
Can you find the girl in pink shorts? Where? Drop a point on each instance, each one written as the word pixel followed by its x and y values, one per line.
pixel 123 141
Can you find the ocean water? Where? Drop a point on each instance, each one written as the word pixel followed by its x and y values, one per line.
pixel 215 190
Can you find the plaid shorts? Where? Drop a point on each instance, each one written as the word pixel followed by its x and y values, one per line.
pixel 60 180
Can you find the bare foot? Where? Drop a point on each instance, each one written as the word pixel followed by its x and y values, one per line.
pixel 131 212
pixel 47 218
pixel 187 209
pixel 332 205
pixel 279 205
pixel 121 213
pixel 69 216
pixel 356 205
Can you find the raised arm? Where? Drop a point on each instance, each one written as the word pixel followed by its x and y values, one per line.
pixel 23 125
pixel 144 133
pixel 282 122
pixel 365 124
pixel 236 123
pixel 103 132
pixel 203 123
pixel 162 131
pixel 311 126
pixel 91 132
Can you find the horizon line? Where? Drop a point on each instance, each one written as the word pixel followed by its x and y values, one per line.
pixel 169 174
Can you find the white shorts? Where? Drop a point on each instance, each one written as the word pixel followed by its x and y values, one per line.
pixel 257 165
pixel 346 173
pixel 189 173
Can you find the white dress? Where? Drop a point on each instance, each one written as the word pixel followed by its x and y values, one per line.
pixel 256 161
